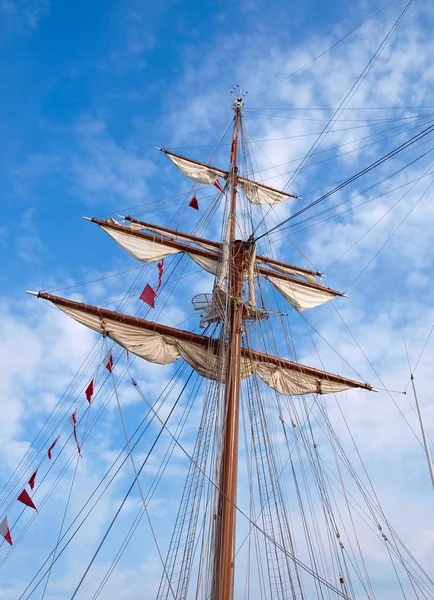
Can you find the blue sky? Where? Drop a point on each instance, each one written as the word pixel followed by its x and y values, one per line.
pixel 87 92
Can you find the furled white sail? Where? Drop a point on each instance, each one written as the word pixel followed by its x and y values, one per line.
pixel 302 297
pixel 197 172
pixel 290 270
pixel 172 235
pixel 293 383
pixel 156 347
pixel 209 264
pixel 139 248
pixel 284 377
pixel 257 193
pixel 150 251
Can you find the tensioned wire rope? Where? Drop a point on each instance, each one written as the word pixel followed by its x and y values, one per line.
pixel 376 9
pixel 168 389
pixel 336 115
pixel 280 413
pixel 120 352
pixel 361 22
pixel 132 529
pixel 400 411
pixel 155 414
pixel 298 136
pixel 328 159
pixel 400 557
pixel 396 151
pixel 346 201
pixel 222 138
pixel 245 515
pixel 428 172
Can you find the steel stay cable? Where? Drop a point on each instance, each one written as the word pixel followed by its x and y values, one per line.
pixel 124 500
pixel 383 516
pixel 245 515
pixel 332 47
pixel 426 173
pixel 136 476
pixel 304 135
pixel 149 496
pixel 322 108
pixel 160 399
pixel 311 218
pixel 336 156
pixel 370 167
pixel 365 137
pixel 347 97
pixel 420 355
pixel 380 121
pixel 391 235
pixel 67 504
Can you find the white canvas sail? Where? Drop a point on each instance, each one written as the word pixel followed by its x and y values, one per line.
pixel 290 270
pixel 198 172
pixel 153 346
pixel 302 297
pixel 146 250
pixel 258 193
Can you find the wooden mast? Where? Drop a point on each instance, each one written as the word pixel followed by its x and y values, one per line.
pixel 223 575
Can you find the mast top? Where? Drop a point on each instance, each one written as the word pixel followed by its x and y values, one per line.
pixel 238 96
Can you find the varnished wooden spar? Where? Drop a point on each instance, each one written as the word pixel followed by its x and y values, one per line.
pixel 225 174
pixel 203 340
pixel 217 245
pixel 209 254
pixel 225 524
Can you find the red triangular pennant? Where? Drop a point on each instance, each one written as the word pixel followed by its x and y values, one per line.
pixel 148 295
pixel 25 499
pixel 5 531
pixel 160 266
pixel 194 203
pixel 73 420
pixel 32 480
pixel 89 392
pixel 108 362
pixel 51 447
pixel 218 186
